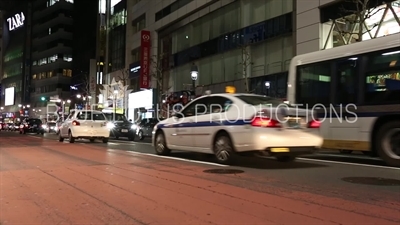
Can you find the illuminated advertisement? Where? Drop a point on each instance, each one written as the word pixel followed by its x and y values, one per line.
pixel 9 96
pixel 16 21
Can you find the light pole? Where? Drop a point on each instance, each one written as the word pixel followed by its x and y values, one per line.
pixel 194 73
pixel 115 102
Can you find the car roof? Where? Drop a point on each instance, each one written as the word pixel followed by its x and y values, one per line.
pixel 88 110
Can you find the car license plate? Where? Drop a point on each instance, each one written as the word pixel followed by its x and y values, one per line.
pixel 279 149
pixel 124 131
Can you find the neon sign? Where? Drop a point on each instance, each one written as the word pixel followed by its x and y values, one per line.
pixel 16 21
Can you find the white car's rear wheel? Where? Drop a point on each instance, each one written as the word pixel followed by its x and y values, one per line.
pixel 71 138
pixel 105 140
pixel 60 138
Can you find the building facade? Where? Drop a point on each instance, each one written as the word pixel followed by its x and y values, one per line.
pixel 15 60
pixel 52 34
pixel 230 43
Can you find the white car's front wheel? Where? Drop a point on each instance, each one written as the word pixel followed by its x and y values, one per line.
pixel 160 145
pixel 223 149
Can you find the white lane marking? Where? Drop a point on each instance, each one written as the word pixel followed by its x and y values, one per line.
pixel 178 159
pixel 110 143
pixel 350 164
pixel 130 142
pixel 348 156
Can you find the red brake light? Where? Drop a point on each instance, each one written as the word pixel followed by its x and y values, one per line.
pixel 265 122
pixel 75 123
pixel 314 124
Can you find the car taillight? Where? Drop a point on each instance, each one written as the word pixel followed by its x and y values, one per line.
pixel 265 122
pixel 314 124
pixel 75 123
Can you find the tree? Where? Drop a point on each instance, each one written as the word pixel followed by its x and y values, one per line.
pixel 356 14
pixel 246 64
pixel 124 76
pixel 157 70
pixel 85 85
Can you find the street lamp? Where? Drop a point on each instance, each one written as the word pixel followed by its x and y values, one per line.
pixel 1 108
pixel 78 96
pixel 267 86
pixel 19 105
pixel 194 73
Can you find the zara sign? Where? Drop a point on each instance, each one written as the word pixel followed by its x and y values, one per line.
pixel 16 21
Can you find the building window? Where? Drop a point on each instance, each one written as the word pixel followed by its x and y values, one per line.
pixel 135 55
pixel 50 74
pixel 42 75
pixel 51 2
pixel 34 63
pixel 42 61
pixel 52 58
pixel 70 1
pixel 34 77
pixel 139 23
pixel 67 58
pixel 171 8
pixel 67 72
pixel 379 21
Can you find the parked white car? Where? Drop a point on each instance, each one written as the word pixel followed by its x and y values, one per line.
pixel 86 124
pixel 228 124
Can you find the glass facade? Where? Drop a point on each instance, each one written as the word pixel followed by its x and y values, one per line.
pixel 215 43
pixel 117 36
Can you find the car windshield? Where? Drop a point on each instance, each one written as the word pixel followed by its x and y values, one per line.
pixel 260 100
pixel 90 116
pixel 118 117
pixel 51 124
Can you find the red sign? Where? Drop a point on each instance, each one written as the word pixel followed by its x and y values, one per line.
pixel 145 59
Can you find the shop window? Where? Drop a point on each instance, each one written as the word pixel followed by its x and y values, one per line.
pixel 382 81
pixel 313 84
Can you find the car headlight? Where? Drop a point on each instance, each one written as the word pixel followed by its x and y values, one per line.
pixel 44 126
pixel 110 125
pixel 133 127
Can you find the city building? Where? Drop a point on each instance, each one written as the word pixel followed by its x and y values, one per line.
pixel 15 60
pixel 111 51
pixel 51 52
pixel 1 60
pixel 226 43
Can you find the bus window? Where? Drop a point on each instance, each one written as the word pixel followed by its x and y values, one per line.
pixel 346 90
pixel 314 84
pixel 382 81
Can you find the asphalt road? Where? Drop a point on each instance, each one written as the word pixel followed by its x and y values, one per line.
pixel 43 181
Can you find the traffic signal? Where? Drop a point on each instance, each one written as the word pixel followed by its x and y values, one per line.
pixel 44 99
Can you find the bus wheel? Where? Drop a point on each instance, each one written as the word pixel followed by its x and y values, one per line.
pixel 345 151
pixel 388 143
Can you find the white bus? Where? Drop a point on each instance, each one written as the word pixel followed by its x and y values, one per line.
pixel 362 79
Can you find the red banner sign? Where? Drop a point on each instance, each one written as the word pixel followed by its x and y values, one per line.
pixel 145 60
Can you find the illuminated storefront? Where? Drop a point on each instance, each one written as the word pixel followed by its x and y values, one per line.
pixel 140 105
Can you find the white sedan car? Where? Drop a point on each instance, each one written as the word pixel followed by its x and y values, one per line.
pixel 87 124
pixel 228 124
